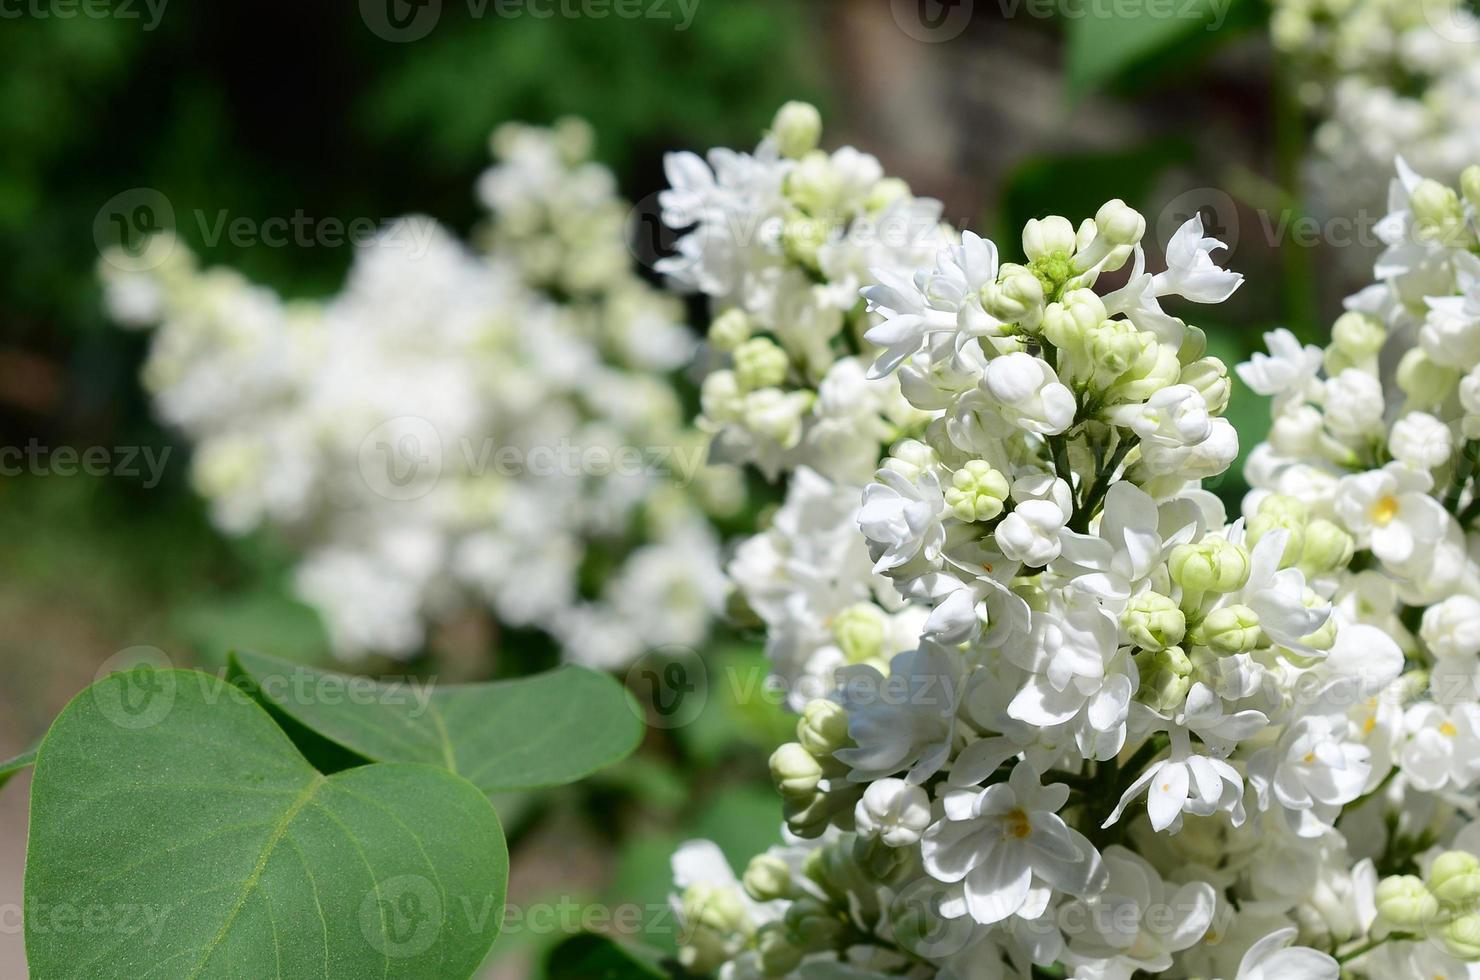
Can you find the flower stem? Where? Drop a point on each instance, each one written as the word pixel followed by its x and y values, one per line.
pixel 1092 499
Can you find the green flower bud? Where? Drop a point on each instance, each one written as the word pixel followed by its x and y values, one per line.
pixel 1425 382
pixel 1358 335
pixel 1166 677
pixel 778 955
pixel 777 414
pixel 812 185
pixel 1119 354
pixel 1053 272
pixel 767 878
pixel 1067 322
pixel 823 728
pixel 1327 549
pixel 1438 212
pixel 1469 183
pixel 730 329
pixel 1153 621
pixel 808 817
pixel 1157 368
pixel 1119 224
pixel 1043 237
pixel 910 458
pixel 1212 565
pixel 1016 297
pixel 1263 523
pixel 977 492
pixel 720 397
pixel 1403 903
pixel 795 772
pixel 1454 878
pixel 716 907
pixel 1209 376
pixel 760 363
pixel 1462 937
pixel 1230 629
pixel 885 193
pixel 812 925
pixel 796 129
pixel 803 237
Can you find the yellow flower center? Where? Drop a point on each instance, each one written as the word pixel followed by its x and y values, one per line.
pixel 1448 729
pixel 1016 824
pixel 1385 510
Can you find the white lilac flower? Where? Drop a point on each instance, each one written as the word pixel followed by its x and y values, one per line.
pixel 1006 842
pixel 1091 630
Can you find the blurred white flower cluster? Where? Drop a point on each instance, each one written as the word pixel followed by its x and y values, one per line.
pixel 455 427
pixel 1385 78
pixel 1133 737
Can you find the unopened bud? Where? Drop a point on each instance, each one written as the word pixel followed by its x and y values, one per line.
pixel 795 772
pixel 1043 237
pixel 1067 322
pixel 1454 878
pixel 796 129
pixel 1209 376
pixel 730 329
pixel 1404 903
pixel 1462 937
pixel 977 492
pixel 1327 549
pixel 823 728
pixel 1119 224
pixel 767 878
pixel 1153 621
pixel 1469 183
pixel 812 925
pixel 893 811
pixel 760 363
pixel 777 954
pixel 1230 629
pixel 1016 297
pixel 1166 677
pixel 1212 565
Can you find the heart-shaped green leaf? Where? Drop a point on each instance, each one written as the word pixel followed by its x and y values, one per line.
pixel 13 766
pixel 545 730
pixel 177 832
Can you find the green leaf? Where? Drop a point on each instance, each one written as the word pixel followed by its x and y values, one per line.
pixel 593 957
pixel 176 832
pixel 1106 40
pixel 1076 184
pixel 10 768
pixel 263 619
pixel 546 730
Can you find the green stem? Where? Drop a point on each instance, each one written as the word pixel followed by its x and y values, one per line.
pixel 1370 945
pixel 1463 470
pixel 1086 510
